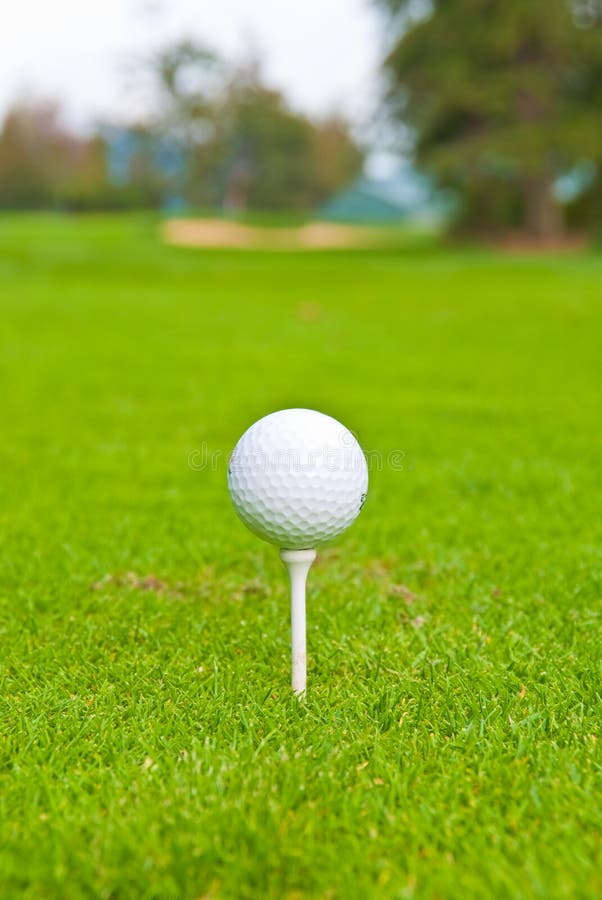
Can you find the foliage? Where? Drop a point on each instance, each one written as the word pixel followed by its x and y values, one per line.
pixel 247 149
pixel 502 97
pixel 264 156
pixel 233 144
pixel 38 156
pixel 185 77
pixel 44 164
pixel 337 158
pixel 449 746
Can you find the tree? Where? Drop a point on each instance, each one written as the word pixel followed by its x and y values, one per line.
pixel 41 161
pixel 337 157
pixel 35 154
pixel 500 98
pixel 186 76
pixel 275 157
pixel 44 164
pixel 267 147
pixel 244 146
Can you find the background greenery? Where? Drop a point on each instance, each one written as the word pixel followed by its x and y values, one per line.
pixel 213 135
pixel 149 744
pixel 503 100
pixel 496 104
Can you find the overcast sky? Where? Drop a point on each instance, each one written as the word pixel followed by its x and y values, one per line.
pixel 323 53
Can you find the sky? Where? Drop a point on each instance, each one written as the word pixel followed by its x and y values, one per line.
pixel 323 53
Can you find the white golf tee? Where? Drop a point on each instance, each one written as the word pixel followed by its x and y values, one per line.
pixel 298 563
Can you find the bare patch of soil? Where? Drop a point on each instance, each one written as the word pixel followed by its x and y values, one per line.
pixel 521 242
pixel 132 580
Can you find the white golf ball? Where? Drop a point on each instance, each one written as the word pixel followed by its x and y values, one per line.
pixel 298 478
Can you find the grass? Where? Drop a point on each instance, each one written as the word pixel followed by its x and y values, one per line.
pixel 149 745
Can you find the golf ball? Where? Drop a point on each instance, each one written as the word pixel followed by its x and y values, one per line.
pixel 298 478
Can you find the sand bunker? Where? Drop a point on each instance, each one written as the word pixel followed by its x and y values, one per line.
pixel 219 233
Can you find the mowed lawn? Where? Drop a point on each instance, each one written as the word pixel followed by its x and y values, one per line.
pixel 149 744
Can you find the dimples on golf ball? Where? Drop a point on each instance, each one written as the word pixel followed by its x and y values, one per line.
pixel 297 478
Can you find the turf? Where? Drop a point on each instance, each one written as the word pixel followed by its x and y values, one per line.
pixel 149 745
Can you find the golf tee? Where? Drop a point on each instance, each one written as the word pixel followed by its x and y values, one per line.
pixel 298 563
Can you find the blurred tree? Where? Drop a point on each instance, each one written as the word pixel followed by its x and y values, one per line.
pixel 246 148
pixel 36 155
pixel 277 158
pixel 45 165
pixel 500 94
pixel 267 148
pixel 186 77
pixel 337 157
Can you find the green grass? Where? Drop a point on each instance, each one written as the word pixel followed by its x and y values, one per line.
pixel 149 745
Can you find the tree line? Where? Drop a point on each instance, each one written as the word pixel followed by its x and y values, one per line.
pixel 217 136
pixel 502 103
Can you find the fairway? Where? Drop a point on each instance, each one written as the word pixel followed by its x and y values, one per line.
pixel 149 742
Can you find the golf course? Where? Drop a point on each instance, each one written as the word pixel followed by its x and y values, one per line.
pixel 150 744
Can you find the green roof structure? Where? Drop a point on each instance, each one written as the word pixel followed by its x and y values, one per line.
pixel 405 196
